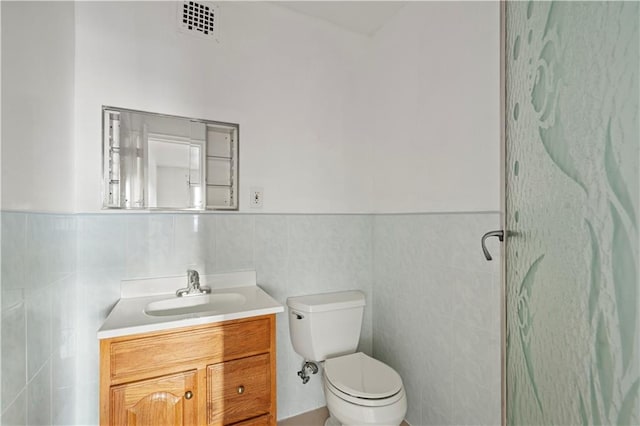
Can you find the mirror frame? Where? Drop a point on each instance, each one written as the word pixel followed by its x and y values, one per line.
pixel 234 159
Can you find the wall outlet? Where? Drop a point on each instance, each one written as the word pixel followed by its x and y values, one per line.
pixel 256 198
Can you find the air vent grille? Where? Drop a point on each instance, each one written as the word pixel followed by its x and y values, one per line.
pixel 198 18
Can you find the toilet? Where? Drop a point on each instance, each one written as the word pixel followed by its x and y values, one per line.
pixel 360 390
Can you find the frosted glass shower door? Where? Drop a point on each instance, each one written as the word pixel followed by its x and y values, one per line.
pixel 571 212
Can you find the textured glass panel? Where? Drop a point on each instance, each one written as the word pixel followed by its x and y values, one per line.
pixel 573 135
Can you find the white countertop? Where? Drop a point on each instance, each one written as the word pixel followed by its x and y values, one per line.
pixel 128 316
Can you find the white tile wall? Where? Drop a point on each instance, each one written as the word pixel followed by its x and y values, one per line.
pixel 38 324
pixel 14 352
pixel 16 413
pixel 436 314
pixel 39 397
pixel 434 299
pixel 62 273
pixel 325 253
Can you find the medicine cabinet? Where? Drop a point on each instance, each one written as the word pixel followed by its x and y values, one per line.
pixel 156 161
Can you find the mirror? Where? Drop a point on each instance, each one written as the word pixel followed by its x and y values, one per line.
pixel 156 161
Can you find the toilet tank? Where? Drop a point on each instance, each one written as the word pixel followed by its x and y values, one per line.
pixel 325 325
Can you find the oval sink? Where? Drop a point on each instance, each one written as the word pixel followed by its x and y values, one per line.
pixel 195 304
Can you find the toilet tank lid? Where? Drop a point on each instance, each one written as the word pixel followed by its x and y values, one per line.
pixel 327 301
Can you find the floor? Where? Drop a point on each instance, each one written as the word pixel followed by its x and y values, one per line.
pixel 312 418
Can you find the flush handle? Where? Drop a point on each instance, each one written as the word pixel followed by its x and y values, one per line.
pixel 297 315
pixel 498 233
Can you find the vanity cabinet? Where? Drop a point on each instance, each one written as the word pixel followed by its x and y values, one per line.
pixel 215 374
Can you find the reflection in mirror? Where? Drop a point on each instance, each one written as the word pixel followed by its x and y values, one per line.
pixel 154 161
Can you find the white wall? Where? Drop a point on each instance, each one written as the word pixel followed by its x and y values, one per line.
pixel 433 99
pixel 284 77
pixel 330 121
pixel 37 101
pixel 0 211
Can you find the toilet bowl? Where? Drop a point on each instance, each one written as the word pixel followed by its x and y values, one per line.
pixel 361 390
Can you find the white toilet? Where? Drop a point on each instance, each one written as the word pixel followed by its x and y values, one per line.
pixel 359 390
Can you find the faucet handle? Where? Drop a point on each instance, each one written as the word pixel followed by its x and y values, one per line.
pixel 193 278
pixel 193 285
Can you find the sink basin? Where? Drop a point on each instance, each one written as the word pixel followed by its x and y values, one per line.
pixel 209 303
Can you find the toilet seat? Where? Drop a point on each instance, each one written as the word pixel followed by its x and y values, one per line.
pixel 362 402
pixel 363 380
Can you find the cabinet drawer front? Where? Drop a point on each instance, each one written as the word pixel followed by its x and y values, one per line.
pixel 150 356
pixel 238 390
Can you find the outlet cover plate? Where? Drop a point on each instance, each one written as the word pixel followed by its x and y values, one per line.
pixel 257 195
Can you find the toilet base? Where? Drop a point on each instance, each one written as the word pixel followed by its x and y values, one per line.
pixel 332 421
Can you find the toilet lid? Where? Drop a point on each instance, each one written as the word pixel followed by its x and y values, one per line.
pixel 361 376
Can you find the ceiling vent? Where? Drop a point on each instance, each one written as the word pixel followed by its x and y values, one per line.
pixel 200 19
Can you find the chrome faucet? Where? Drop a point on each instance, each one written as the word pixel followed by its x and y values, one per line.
pixel 193 285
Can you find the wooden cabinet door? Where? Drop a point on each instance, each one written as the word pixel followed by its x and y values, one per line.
pixel 169 400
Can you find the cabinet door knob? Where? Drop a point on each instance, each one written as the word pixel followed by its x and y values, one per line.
pixel 188 395
pixel 240 390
